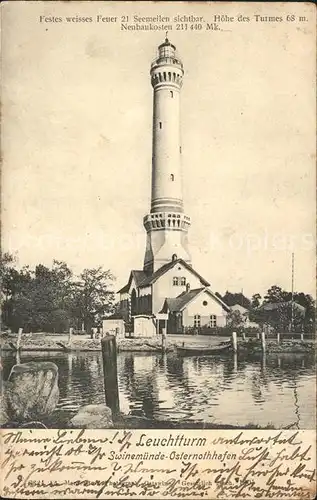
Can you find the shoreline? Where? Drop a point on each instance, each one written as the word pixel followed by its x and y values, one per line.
pixel 153 345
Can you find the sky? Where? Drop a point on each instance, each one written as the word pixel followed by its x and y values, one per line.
pixel 77 135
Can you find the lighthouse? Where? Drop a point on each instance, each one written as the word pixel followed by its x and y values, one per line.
pixel 168 292
pixel 166 224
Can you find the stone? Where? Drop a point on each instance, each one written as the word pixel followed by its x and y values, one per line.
pixel 93 417
pixel 32 390
pixel 4 417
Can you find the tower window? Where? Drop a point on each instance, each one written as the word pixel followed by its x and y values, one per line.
pixel 160 124
pixel 172 177
pixel 180 149
pixel 172 95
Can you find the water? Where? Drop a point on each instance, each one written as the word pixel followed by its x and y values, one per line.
pixel 277 390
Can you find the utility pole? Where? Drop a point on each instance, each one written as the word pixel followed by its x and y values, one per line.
pixel 292 303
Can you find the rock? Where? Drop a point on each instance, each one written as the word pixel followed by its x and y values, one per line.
pixel 93 417
pixel 32 390
pixel 4 417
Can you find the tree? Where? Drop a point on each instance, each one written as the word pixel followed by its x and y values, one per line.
pixel 50 299
pixel 39 300
pixel 277 294
pixel 92 297
pixel 255 300
pixel 12 283
pixel 278 312
pixel 308 302
pixel 232 299
pixel 235 319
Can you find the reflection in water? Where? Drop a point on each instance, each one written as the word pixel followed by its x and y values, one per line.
pixel 276 390
pixel 296 405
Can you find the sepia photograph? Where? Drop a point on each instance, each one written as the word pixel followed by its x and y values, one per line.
pixel 158 234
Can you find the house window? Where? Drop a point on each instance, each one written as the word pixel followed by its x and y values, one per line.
pixel 205 303
pixel 213 321
pixel 160 123
pixel 197 321
pixel 179 281
pixel 172 177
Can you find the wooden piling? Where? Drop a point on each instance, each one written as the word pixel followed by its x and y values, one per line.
pixel 234 342
pixel 109 357
pixel 17 352
pixel 243 335
pixel 278 338
pixel 235 362
pixel 19 338
pixel 263 344
pixel 164 339
pixel 302 337
pixel 70 337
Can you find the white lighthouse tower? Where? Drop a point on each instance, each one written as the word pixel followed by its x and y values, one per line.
pixel 168 288
pixel 166 224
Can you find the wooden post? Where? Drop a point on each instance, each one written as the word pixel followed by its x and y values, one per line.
pixel 235 362
pixel 157 326
pixel 257 335
pixel 17 358
pixel 263 363
pixel 234 342
pixel 164 338
pixel 263 344
pixel 70 337
pixel 109 357
pixel 278 338
pixel 302 337
pixel 243 335
pixel 19 338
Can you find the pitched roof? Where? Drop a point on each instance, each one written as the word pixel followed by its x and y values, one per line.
pixel 116 315
pixel 143 280
pixel 237 299
pixel 166 267
pixel 138 277
pixel 179 303
pixel 124 289
pixel 271 306
pixel 220 300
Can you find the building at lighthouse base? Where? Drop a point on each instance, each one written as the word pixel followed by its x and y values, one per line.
pixel 175 292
